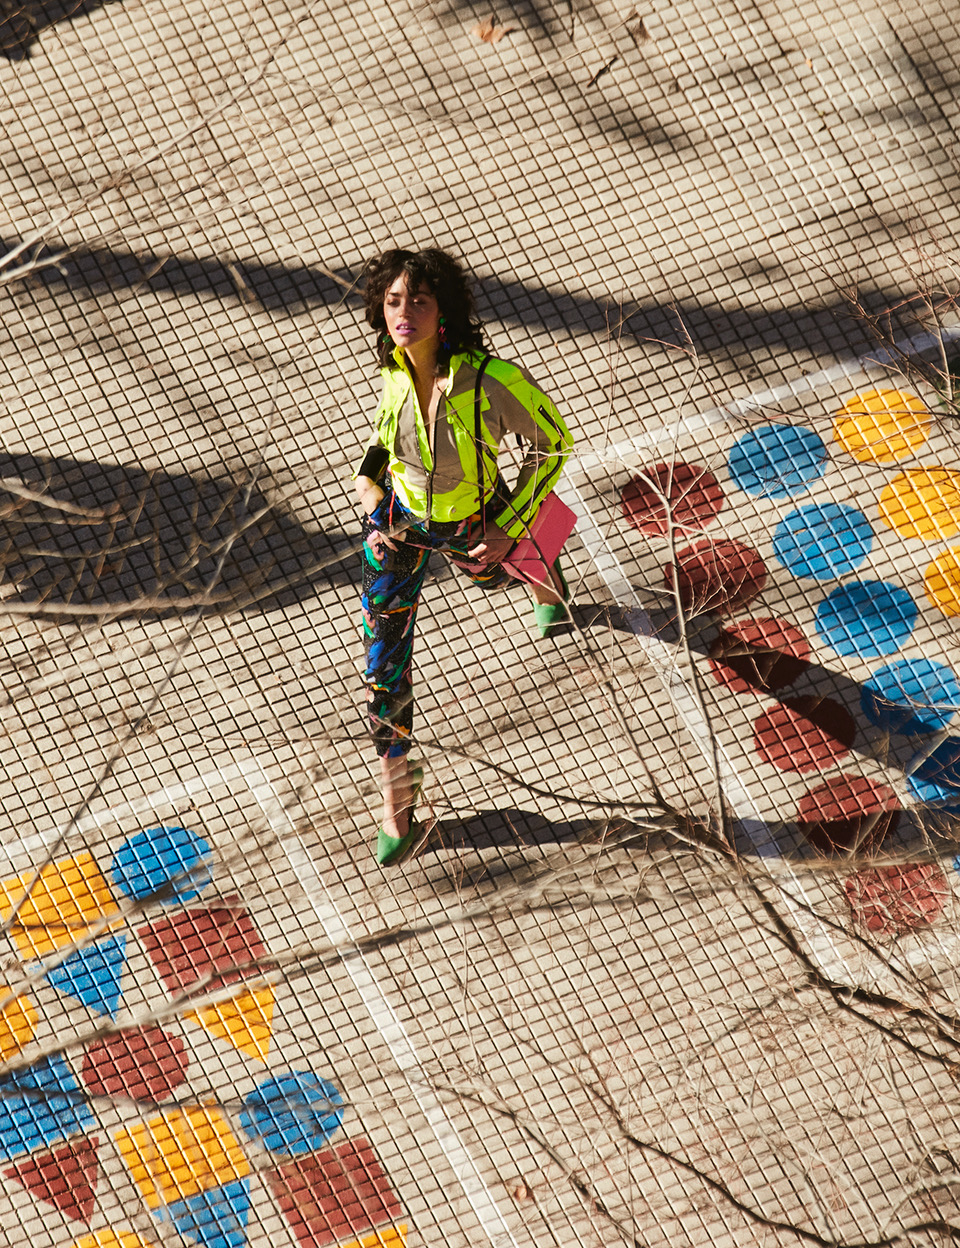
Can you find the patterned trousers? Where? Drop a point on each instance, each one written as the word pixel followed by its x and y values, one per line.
pixel 392 583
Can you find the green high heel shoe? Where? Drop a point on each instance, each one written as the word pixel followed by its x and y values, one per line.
pixel 549 614
pixel 393 849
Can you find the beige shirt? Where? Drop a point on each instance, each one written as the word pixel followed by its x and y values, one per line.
pixel 504 416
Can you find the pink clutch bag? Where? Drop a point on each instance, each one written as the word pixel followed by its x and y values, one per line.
pixel 552 526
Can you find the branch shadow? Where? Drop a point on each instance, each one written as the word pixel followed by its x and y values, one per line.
pixel 710 327
pixel 81 534
pixel 23 21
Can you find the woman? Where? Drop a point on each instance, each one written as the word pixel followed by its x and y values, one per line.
pixel 424 484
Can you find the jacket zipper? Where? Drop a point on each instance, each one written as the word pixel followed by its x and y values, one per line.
pixel 433 455
pixel 432 447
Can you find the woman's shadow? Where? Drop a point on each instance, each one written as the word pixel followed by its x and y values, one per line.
pixel 83 535
pixel 850 814
pixel 518 829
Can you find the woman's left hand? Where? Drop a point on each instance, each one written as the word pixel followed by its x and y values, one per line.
pixel 493 547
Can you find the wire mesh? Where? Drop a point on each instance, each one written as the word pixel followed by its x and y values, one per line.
pixel 679 964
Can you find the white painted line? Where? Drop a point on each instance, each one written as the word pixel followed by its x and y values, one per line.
pixel 40 842
pixel 687 706
pixel 391 1028
pixel 649 439
pixel 663 658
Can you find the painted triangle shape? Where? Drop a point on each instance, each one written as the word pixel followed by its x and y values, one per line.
pixel 92 974
pixel 244 1022
pixel 40 1105
pixel 217 1218
pixel 66 1178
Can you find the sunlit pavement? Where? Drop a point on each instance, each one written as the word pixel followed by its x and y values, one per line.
pixel 577 1017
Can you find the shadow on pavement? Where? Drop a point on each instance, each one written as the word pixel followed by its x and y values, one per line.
pixel 22 21
pixel 291 290
pixel 518 829
pixel 77 533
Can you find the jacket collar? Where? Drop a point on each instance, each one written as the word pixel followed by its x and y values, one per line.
pixel 455 361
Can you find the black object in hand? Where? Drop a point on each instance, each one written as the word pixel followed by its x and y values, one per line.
pixel 374 462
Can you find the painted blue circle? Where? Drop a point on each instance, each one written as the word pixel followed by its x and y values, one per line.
pixel 868 618
pixel 292 1113
pixel 777 461
pixel 937 779
pixel 162 859
pixel 823 540
pixel 911 696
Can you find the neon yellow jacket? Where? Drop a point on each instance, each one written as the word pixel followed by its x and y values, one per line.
pixel 440 481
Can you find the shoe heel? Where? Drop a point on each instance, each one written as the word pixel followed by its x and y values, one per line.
pixel 549 614
pixel 393 849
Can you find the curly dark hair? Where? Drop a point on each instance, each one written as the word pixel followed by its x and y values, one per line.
pixel 444 277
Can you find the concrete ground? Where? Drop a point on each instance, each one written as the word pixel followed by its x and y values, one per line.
pixel 679 965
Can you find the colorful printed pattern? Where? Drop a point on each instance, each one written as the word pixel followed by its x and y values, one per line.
pixel 392 584
pixel 188 1162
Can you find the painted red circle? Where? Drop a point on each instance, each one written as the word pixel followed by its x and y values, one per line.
pixel 716 576
pixel 145 1064
pixel 847 811
pixel 888 900
pixel 759 654
pixel 694 496
pixel 803 734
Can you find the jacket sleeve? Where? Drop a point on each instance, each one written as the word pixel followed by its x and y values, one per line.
pixel 533 416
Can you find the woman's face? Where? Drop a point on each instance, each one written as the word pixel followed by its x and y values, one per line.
pixel 411 316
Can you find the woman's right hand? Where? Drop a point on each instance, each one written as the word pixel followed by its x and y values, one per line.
pixel 371 495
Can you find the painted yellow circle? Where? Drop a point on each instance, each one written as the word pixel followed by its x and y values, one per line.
pixel 924 503
pixel 882 426
pixel 942 581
